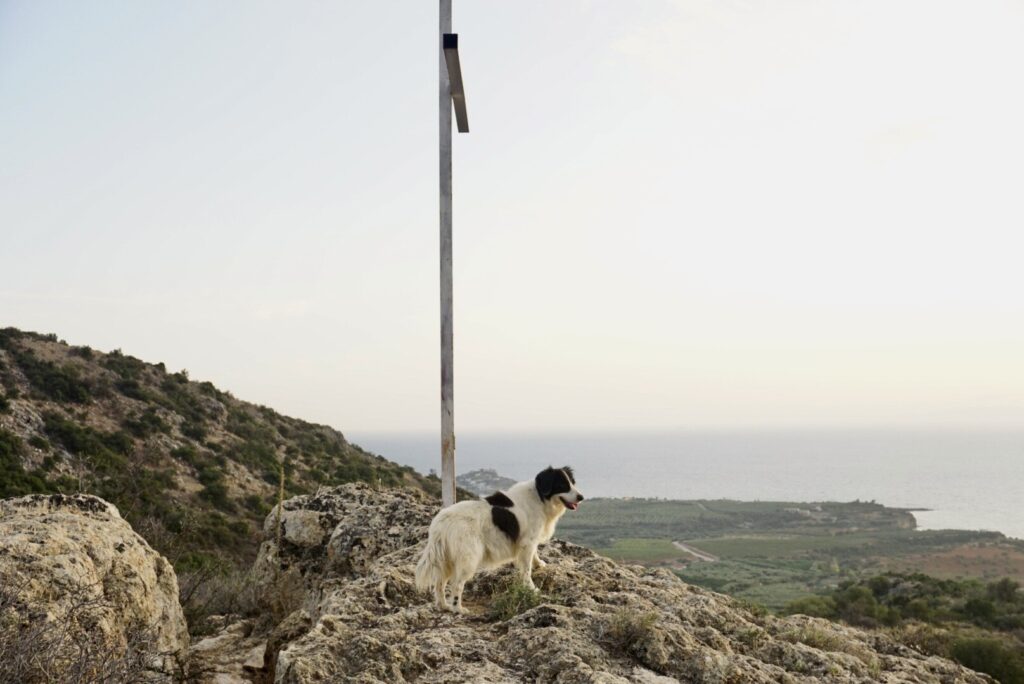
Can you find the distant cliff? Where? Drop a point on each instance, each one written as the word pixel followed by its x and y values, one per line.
pixel 484 481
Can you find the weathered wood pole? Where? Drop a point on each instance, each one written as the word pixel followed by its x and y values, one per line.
pixel 447 352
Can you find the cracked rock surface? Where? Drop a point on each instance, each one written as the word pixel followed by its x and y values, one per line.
pixel 361 619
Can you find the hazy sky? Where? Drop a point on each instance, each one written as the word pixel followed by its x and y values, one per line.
pixel 669 213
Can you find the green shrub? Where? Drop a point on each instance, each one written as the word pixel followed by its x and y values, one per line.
pixel 256 505
pixel 857 605
pixel 990 656
pixel 512 598
pixel 105 450
pixel 59 383
pixel 83 352
pixel 214 489
pixel 980 610
pixel 815 606
pixel 14 479
pixel 188 454
pixel 194 431
pixel 145 424
pixel 177 396
pixel 1004 590
pixel 126 367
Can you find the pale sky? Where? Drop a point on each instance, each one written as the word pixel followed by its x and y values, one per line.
pixel 668 214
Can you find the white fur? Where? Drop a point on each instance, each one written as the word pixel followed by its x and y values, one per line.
pixel 463 540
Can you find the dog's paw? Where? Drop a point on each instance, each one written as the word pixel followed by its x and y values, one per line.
pixel 538 563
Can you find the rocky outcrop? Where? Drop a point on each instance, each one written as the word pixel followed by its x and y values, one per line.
pixel 360 618
pixel 81 591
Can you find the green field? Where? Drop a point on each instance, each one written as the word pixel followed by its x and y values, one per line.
pixel 641 550
pixel 775 552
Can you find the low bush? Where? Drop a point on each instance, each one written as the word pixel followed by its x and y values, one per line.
pixel 990 656
pixel 512 598
pixel 14 479
pixel 106 451
pixel 57 383
pixel 630 629
pixel 145 424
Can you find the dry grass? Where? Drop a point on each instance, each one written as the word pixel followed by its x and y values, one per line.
pixel 69 647
pixel 827 640
pixel 210 591
pixel 629 629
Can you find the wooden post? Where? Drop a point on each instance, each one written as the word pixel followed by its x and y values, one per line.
pixel 447 370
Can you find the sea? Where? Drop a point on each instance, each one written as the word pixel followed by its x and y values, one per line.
pixel 953 479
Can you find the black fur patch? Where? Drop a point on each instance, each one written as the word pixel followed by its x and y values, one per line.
pixel 506 521
pixel 568 471
pixel 551 481
pixel 499 499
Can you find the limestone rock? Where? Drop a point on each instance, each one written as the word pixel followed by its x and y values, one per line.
pixel 74 572
pixel 598 622
pixel 234 655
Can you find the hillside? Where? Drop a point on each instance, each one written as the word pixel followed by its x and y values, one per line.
pixel 192 468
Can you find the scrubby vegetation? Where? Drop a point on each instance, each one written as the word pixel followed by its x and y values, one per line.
pixel 631 630
pixel 980 624
pixel 512 597
pixel 14 479
pixel 41 651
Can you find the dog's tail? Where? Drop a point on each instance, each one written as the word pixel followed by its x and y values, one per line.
pixel 431 566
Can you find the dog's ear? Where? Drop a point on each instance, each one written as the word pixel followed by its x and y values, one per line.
pixel 546 482
pixel 568 471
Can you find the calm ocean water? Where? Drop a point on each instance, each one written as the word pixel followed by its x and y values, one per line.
pixel 968 480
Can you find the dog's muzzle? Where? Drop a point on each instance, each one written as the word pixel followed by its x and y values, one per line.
pixel 573 505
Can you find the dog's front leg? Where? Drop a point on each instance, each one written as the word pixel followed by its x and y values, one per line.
pixel 524 563
pixel 537 562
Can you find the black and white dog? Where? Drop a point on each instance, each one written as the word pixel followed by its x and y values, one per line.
pixel 503 527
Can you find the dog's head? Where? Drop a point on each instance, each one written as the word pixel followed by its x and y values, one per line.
pixel 559 483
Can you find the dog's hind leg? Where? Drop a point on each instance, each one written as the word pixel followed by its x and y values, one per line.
pixel 466 566
pixel 458 584
pixel 439 590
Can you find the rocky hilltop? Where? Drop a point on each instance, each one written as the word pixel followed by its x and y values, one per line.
pixel 83 598
pixel 191 467
pixel 348 553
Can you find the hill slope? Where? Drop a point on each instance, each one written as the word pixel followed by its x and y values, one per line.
pixel 192 468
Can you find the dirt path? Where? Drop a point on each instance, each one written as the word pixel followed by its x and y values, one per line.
pixel 696 553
